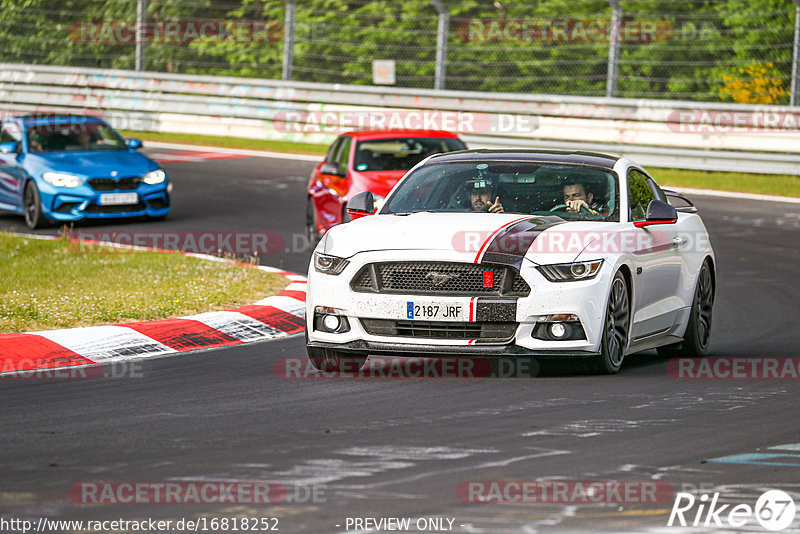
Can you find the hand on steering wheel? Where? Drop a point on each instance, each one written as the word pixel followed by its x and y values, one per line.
pixel 564 207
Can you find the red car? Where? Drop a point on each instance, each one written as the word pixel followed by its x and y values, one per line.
pixel 366 160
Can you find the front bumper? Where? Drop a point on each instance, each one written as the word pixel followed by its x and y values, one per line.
pixel 377 348
pixel 584 299
pixel 75 204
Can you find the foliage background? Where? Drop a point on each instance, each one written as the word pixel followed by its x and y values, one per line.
pixel 729 50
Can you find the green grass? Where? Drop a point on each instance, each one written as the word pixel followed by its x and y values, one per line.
pixel 288 147
pixel 61 284
pixel 763 184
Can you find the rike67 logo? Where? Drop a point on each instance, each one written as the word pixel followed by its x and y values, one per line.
pixel 774 510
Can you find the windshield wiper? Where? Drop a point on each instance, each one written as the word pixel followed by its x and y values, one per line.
pixel 417 211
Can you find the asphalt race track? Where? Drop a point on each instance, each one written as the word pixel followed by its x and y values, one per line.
pixel 376 447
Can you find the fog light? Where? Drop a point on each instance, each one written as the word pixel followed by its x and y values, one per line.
pixel 558 327
pixel 332 322
pixel 558 330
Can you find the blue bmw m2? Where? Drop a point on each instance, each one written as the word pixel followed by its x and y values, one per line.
pixel 63 168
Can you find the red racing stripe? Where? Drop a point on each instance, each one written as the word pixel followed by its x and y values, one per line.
pixel 269 315
pixel 25 352
pixel 183 334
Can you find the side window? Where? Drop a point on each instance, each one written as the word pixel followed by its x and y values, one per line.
pixel 10 133
pixel 640 193
pixel 330 157
pixel 344 154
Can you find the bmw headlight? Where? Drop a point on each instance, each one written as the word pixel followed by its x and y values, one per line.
pixel 155 177
pixel 327 264
pixel 62 179
pixel 569 272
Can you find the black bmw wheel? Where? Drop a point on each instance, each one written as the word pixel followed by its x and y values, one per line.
pixel 32 204
pixel 698 330
pixel 615 329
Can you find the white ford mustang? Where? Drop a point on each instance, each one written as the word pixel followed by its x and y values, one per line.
pixel 513 253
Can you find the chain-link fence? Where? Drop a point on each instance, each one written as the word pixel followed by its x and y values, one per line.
pixel 727 50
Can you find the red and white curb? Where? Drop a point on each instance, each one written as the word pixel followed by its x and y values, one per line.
pixel 277 316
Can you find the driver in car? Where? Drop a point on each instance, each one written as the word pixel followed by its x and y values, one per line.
pixel 481 192
pixel 576 198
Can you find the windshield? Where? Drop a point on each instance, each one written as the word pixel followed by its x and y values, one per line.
pixel 400 154
pixel 521 187
pixel 68 137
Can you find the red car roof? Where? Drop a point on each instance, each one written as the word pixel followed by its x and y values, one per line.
pixel 388 134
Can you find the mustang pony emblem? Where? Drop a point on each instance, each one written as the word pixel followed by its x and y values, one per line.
pixel 440 279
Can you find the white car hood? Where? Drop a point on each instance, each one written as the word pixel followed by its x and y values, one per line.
pixel 460 236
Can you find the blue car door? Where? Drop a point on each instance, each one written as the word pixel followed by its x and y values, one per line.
pixel 10 170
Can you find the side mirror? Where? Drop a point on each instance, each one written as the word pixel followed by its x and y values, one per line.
pixel 658 212
pixel 134 143
pixel 330 168
pixel 361 205
pixel 9 148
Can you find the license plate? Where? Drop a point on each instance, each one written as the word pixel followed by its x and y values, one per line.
pixel 435 311
pixel 115 199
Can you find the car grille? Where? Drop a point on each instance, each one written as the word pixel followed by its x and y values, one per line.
pixel 440 278
pixel 486 332
pixel 128 183
pixel 122 208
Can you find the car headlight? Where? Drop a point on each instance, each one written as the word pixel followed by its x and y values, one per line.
pixel 155 177
pixel 327 264
pixel 569 272
pixel 62 179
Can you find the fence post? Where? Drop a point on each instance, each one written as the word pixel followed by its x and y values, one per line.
pixel 140 34
pixel 613 48
pixel 441 43
pixel 793 96
pixel 288 39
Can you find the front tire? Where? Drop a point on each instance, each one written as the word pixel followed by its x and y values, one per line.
pixel 32 205
pixel 312 234
pixel 616 328
pixel 698 330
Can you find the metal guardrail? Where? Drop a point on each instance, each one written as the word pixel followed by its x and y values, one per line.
pixel 691 135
